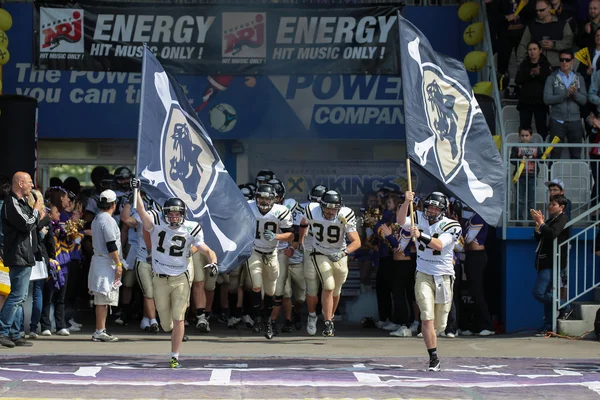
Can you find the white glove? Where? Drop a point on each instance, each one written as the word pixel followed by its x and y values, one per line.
pixel 212 269
pixel 270 235
pixel 337 256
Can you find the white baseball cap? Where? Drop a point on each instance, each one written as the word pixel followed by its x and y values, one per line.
pixel 108 196
pixel 556 182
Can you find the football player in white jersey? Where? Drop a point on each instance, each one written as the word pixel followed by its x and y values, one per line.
pixel 436 236
pixel 263 265
pixel 330 223
pixel 310 274
pixel 173 241
pixel 282 257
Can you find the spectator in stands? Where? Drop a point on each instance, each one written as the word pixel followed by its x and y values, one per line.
pixel 553 35
pixel 545 233
pixel 526 182
pixel 531 76
pixel 564 12
pixel 586 32
pixel 594 155
pixel 509 28
pixel 565 92
pixel 557 187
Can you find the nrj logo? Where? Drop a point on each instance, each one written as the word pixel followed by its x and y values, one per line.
pixel 244 35
pixel 61 30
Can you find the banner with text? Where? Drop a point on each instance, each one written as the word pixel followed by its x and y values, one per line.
pixel 219 40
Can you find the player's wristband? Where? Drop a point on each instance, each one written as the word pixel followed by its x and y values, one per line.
pixel 119 264
pixel 425 239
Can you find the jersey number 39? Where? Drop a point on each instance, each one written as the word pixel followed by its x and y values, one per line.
pixel 333 233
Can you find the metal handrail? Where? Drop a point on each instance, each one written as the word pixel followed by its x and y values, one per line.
pixel 556 271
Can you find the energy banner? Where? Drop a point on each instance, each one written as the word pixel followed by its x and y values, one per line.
pixel 223 40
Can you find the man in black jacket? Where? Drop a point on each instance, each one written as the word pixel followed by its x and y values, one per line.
pixel 545 233
pixel 19 224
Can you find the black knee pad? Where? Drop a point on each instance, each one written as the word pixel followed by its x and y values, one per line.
pixel 278 300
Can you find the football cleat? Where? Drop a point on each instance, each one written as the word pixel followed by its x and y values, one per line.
pixel 434 365
pixel 329 331
pixel 287 326
pixel 269 330
pixel 175 363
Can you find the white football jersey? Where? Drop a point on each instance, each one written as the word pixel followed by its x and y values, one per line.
pixel 330 235
pixel 295 209
pixel 278 217
pixel 171 247
pixel 142 251
pixel 434 262
pixel 309 239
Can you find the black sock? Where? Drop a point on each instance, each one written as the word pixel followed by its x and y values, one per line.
pixel 256 300
pixel 432 353
pixel 238 312
pixel 225 311
pixel 200 311
pixel 233 298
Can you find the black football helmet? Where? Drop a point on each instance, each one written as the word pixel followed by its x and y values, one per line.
pixel 279 189
pixel 123 178
pixel 252 186
pixel 108 182
pixel 247 191
pixel 265 198
pixel 264 176
pixel 174 205
pixel 331 202
pixel 316 192
pixel 435 206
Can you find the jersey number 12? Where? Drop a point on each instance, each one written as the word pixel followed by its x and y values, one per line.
pixel 177 245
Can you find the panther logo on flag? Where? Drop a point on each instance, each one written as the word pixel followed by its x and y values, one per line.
pixel 449 108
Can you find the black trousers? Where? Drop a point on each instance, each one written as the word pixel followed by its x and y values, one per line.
pixel 51 295
pixel 508 41
pixel 475 264
pixel 453 323
pixel 539 114
pixel 403 291
pixel 384 281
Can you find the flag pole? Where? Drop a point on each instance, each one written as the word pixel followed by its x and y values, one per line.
pixel 136 190
pixel 411 205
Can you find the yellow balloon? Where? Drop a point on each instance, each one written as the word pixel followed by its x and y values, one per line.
pixel 475 61
pixel 3 40
pixel 474 34
pixel 4 56
pixel 468 11
pixel 5 20
pixel 484 87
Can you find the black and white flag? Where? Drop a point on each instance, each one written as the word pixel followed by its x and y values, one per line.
pixel 176 158
pixel 446 131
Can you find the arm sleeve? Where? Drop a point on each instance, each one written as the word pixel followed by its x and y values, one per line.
pixel 550 98
pixel 580 95
pixel 566 43
pixel 112 246
pixel 593 95
pixel 21 221
pixel 551 232
pixel 393 241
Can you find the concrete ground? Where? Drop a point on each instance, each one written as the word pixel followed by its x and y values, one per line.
pixel 358 363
